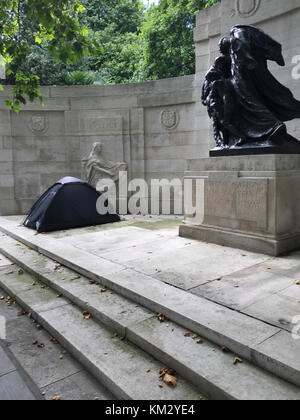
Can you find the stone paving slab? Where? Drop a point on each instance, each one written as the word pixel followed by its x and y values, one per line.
pixel 277 309
pixel 108 307
pixel 78 387
pixel 42 366
pixel 221 325
pixel 114 240
pixel 23 284
pixel 4 261
pixel 121 367
pixel 6 365
pixel 13 388
pixel 282 350
pixel 208 366
pixel 243 288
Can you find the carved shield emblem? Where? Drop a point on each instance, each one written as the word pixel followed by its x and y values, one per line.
pixel 246 8
pixel 169 119
pixel 38 124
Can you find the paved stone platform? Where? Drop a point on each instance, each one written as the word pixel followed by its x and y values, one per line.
pixel 260 286
pixel 258 293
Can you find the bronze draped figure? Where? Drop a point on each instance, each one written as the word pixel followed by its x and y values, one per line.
pixel 247 105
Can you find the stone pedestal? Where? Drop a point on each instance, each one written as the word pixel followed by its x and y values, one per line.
pixel 247 202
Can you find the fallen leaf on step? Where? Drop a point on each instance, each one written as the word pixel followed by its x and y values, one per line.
pixel 53 340
pixel 224 349
pixel 35 343
pixel 61 357
pixel 187 334
pixel 297 282
pixel 20 272
pixel 237 360
pixel 165 371
pixel 9 301
pixel 41 345
pixel 33 284
pixel 170 380
pixel 56 398
pixel 161 317
pixel 103 290
pixel 2 297
pixel 86 315
pixel 161 385
pixel 57 267
pixel 194 336
pixel 21 313
pixel 199 341
pixel 11 272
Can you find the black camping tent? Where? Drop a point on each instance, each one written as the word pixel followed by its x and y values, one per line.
pixel 70 203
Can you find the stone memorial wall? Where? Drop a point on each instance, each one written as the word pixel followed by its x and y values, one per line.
pixel 155 127
pixel 150 126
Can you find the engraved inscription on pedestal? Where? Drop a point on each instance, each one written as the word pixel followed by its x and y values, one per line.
pixel 243 200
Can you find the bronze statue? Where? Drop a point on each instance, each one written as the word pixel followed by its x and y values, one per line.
pixel 247 104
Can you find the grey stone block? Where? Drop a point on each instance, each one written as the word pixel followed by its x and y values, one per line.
pixel 13 388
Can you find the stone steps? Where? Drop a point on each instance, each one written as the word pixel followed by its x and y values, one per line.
pixel 124 369
pixel 263 345
pixel 204 364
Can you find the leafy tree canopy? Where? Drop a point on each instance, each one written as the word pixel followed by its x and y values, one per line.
pixel 58 42
pixel 53 23
pixel 168 37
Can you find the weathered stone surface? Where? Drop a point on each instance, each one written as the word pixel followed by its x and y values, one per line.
pixel 6 364
pixel 239 332
pixel 47 144
pixel 250 202
pixel 49 365
pixel 207 366
pixel 4 261
pixel 13 388
pixel 79 387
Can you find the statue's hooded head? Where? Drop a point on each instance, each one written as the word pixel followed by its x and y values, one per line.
pixel 224 46
pixel 96 150
pixel 97 147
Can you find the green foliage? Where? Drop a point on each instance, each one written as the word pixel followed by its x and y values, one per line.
pixel 59 41
pixel 79 78
pixel 117 24
pixel 169 48
pixel 53 24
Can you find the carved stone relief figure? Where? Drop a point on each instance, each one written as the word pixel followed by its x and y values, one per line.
pixel 97 167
